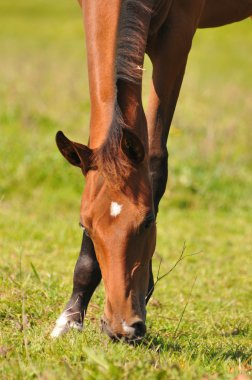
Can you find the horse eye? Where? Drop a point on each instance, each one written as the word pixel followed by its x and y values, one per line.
pixel 81 226
pixel 149 221
pixel 84 229
pixel 148 224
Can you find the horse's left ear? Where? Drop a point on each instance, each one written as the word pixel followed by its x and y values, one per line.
pixel 75 153
pixel 132 147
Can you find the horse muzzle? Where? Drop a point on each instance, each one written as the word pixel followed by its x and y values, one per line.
pixel 129 332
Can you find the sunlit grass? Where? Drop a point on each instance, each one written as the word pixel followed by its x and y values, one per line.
pixel 44 88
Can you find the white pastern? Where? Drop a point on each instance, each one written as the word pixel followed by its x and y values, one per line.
pixel 63 325
pixel 115 209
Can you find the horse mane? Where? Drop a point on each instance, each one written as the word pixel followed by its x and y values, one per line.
pixel 131 44
pixel 112 163
pixel 132 38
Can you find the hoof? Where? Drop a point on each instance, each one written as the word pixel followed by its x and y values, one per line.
pixel 64 324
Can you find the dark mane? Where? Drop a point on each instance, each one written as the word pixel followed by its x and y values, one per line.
pixel 132 38
pixel 110 160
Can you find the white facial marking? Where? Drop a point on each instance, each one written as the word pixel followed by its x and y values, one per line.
pixel 115 209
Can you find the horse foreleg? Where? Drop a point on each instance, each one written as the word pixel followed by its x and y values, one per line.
pixel 158 129
pixel 87 276
pixel 168 51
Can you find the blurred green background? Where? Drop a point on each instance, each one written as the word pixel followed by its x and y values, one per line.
pixel 207 204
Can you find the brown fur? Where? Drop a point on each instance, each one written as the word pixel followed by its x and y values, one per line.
pixel 119 169
pixel 128 149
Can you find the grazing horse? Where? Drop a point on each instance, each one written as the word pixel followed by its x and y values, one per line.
pixel 125 162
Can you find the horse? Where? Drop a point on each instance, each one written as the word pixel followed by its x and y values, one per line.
pixel 126 161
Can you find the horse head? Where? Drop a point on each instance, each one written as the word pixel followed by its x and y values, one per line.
pixel 117 215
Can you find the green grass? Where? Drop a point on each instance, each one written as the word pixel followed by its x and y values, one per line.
pixel 43 88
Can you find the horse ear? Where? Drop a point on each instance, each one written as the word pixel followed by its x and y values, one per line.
pixel 75 153
pixel 132 147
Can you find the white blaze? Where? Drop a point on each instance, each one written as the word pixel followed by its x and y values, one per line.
pixel 115 209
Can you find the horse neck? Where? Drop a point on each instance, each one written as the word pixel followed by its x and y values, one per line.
pixel 131 45
pixel 116 37
pixel 101 25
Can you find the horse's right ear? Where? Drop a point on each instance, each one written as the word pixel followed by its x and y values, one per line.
pixel 75 153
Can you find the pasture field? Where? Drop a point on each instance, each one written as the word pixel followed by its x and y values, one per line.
pixel 207 204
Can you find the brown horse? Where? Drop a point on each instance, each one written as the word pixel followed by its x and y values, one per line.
pixel 125 163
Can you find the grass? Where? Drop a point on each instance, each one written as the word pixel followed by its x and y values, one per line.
pixel 43 88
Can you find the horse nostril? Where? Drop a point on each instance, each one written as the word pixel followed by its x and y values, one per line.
pixel 140 329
